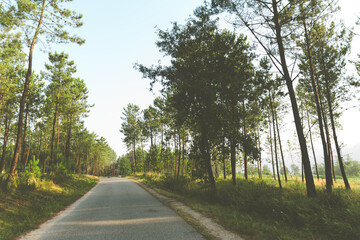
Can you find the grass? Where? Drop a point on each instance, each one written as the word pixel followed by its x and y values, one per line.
pixel 258 209
pixel 24 210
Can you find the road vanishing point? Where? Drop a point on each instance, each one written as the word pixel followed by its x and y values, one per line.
pixel 116 208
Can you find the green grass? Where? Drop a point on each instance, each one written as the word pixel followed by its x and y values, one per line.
pixel 24 210
pixel 258 209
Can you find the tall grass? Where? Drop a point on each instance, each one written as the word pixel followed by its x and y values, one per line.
pixel 258 209
pixel 29 203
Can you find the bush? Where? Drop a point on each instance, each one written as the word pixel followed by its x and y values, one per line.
pixel 176 183
pixel 30 179
pixel 61 173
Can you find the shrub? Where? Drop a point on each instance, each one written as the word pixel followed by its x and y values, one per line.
pixel 30 178
pixel 176 183
pixel 61 173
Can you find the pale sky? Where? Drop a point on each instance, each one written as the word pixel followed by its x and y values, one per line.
pixel 121 33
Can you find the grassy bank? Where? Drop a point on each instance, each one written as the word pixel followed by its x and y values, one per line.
pixel 22 210
pixel 258 209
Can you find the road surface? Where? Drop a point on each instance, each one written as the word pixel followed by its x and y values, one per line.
pixel 116 208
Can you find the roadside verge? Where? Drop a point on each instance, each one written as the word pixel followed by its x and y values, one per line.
pixel 205 225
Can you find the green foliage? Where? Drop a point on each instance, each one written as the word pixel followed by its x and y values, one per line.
pixel 61 173
pixel 30 179
pixel 260 210
pixel 22 211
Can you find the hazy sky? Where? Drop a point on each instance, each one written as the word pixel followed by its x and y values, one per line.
pixel 120 33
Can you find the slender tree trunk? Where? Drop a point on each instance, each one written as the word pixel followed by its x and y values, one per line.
pixel 68 141
pixel 6 134
pixel 338 151
pixel 275 145
pixel 259 162
pixel 233 159
pixel 312 146
pixel 271 150
pixel 245 144
pixel 320 118
pixel 28 150
pixel 183 158
pixel 302 172
pixel 22 157
pixel 310 185
pixel 45 153
pixel 329 146
pixel 223 157
pixel 52 160
pixel 206 154
pixel 179 157
pixel 281 151
pixel 134 156
pixel 24 96
pixel 40 145
pixel 58 133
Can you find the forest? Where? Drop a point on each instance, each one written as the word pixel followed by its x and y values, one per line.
pixel 224 98
pixel 42 112
pixel 234 80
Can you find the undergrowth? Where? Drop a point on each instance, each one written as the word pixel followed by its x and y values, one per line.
pixel 258 209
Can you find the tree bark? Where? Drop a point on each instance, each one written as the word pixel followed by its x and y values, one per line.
pixel 24 96
pixel 275 145
pixel 6 134
pixel 281 151
pixel 52 161
pixel 312 146
pixel 68 141
pixel 29 145
pixel 206 154
pixel 223 157
pixel 22 157
pixel 271 150
pixel 233 160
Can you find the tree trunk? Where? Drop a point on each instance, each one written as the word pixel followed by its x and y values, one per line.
pixel 233 159
pixel 338 151
pixel 312 146
pixel 179 157
pixel 259 162
pixel 40 145
pixel 329 146
pixel 275 145
pixel 29 145
pixel 223 157
pixel 22 157
pixel 281 151
pixel 319 114
pixel 134 155
pixel 6 134
pixel 52 160
pixel 68 141
pixel 24 96
pixel 58 133
pixel 183 158
pixel 271 150
pixel 206 154
pixel 310 185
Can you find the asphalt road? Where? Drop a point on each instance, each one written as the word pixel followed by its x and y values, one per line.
pixel 116 208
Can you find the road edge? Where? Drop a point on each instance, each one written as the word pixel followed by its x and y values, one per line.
pixel 35 233
pixel 205 225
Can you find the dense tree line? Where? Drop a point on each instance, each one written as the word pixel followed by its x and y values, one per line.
pixel 41 113
pixel 223 104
